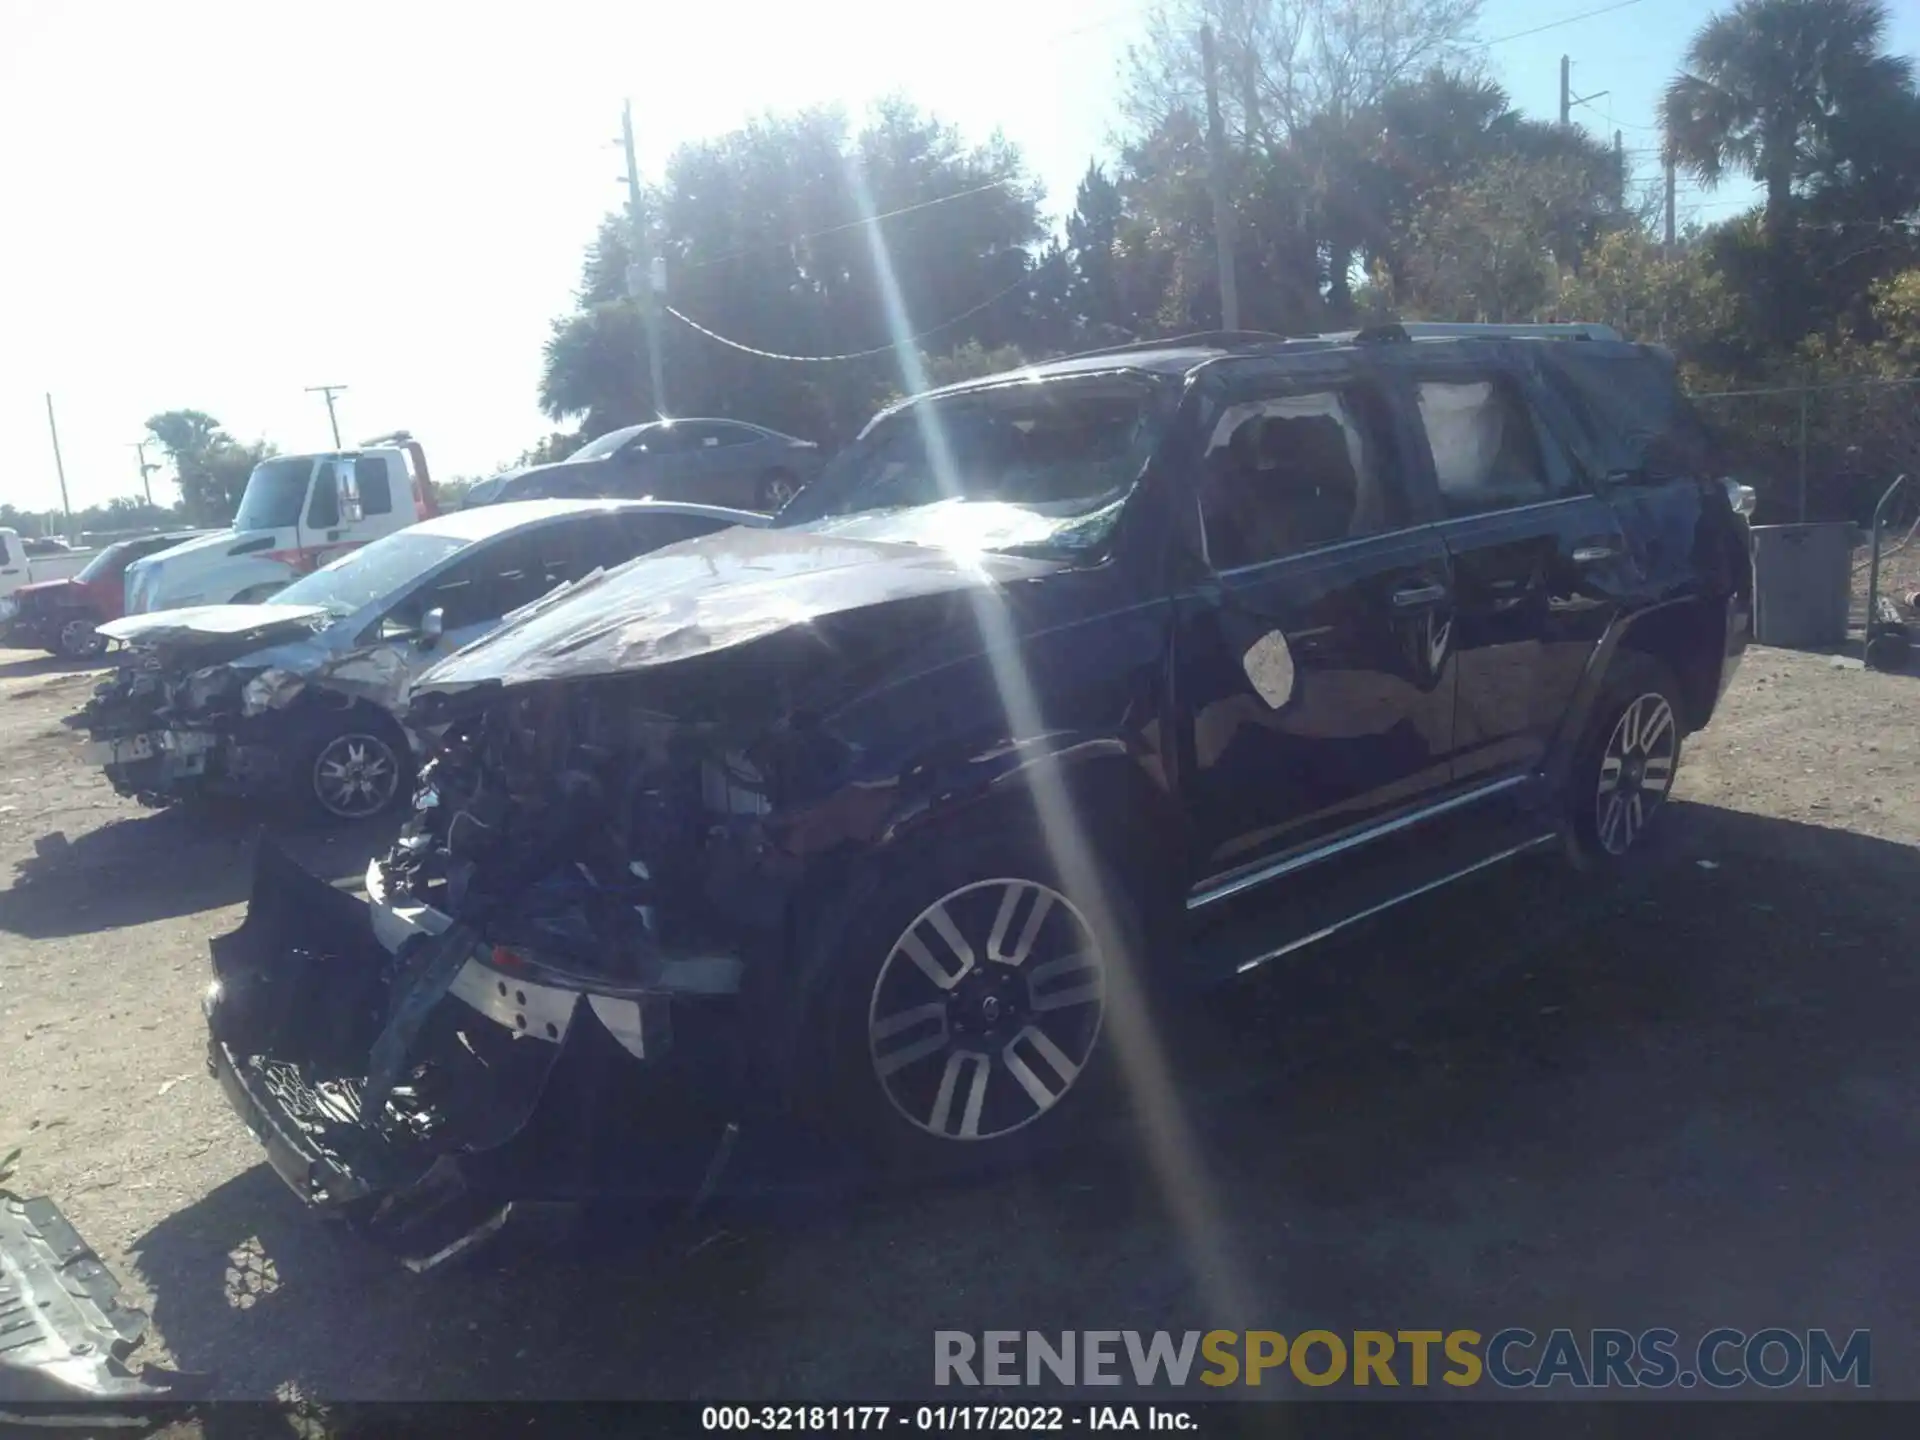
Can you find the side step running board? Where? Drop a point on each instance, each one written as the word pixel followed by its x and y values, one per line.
pixel 1313 937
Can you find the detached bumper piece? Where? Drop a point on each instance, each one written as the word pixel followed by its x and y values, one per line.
pixel 413 1098
pixel 64 1333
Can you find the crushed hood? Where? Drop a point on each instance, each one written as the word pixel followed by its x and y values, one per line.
pixel 46 587
pixel 714 593
pixel 218 624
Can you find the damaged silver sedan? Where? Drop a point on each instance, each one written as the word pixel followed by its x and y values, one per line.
pixel 300 698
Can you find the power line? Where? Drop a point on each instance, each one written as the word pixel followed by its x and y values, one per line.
pixel 852 224
pixel 1556 24
pixel 731 344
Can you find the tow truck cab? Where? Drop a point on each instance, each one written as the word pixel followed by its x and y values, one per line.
pixel 297 513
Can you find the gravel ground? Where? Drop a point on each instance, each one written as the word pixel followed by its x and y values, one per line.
pixel 1681 1099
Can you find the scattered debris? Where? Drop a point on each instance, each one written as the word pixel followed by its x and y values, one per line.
pixel 168 1085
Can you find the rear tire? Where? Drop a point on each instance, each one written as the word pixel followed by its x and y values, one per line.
pixel 355 764
pixel 956 1015
pixel 1626 764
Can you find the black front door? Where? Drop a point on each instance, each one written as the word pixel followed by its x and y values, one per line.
pixel 1313 670
pixel 1535 559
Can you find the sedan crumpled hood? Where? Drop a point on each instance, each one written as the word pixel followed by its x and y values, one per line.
pixel 713 593
pixel 218 624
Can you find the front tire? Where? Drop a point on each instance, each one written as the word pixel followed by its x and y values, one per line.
pixel 353 767
pixel 960 1011
pixel 1627 762
pixel 80 639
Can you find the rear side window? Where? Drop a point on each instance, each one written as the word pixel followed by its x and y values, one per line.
pixel 1630 412
pixel 1486 451
pixel 1292 473
pixel 376 489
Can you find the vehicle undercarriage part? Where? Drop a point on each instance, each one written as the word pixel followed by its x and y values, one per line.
pixel 65 1334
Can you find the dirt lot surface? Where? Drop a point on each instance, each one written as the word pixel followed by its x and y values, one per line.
pixel 1684 1099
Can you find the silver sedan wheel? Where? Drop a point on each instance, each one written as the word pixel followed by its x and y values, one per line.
pixel 987 1010
pixel 1636 771
pixel 355 776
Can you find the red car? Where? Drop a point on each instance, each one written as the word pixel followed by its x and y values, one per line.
pixel 62 615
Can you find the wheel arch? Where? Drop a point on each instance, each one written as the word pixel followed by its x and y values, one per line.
pixel 1687 635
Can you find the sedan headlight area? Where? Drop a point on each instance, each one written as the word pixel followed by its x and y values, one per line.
pixel 271 690
pixel 203 687
pixel 9 608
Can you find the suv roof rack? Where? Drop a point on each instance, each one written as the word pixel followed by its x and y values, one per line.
pixel 1208 339
pixel 1396 331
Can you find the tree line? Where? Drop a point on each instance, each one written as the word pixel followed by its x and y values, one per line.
pixel 1374 170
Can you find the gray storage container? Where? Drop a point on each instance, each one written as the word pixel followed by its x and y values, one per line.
pixel 1802 584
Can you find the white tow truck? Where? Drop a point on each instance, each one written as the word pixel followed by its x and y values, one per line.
pixel 297 513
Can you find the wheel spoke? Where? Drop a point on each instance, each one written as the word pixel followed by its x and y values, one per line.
pixel 1609 774
pixel 1009 906
pixel 933 1013
pixel 1038 1090
pixel 982 1069
pixel 1610 821
pixel 1636 817
pixel 1656 725
pixel 1085 984
pixel 922 955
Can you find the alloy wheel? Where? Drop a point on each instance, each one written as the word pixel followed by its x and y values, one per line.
pixel 79 639
pixel 1636 771
pixel 987 1009
pixel 355 776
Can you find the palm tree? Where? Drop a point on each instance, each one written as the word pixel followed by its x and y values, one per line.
pixel 1767 83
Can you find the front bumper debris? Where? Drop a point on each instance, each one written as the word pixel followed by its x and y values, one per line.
pixel 432 1097
pixel 64 1333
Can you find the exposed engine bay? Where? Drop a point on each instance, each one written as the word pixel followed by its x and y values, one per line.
pixel 608 840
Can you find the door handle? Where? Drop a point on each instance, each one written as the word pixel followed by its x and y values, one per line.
pixel 1594 552
pixel 1415 597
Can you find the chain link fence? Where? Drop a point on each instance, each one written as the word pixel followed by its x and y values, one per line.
pixel 1820 452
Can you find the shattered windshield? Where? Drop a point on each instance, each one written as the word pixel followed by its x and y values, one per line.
pixel 365 575
pixel 275 492
pixel 1047 465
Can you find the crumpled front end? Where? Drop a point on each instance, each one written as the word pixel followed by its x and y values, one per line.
pixel 432 1096
pixel 162 728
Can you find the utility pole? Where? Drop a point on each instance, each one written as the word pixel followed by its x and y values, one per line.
pixel 140 447
pixel 645 283
pixel 333 420
pixel 1566 89
pixel 60 469
pixel 1670 178
pixel 1217 185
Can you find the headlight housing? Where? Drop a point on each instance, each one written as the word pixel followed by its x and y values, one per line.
pixel 271 689
pixel 9 607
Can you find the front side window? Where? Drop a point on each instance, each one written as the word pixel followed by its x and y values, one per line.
pixel 608 444
pixel 1293 473
pixel 1486 452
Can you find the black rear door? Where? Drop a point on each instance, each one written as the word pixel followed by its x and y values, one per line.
pixel 1535 554
pixel 1312 670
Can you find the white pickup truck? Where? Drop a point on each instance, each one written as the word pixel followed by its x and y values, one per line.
pixel 18 568
pixel 298 512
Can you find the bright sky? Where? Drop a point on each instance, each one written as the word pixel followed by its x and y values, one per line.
pixel 216 203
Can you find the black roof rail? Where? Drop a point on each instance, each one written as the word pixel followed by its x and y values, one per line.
pixel 1199 339
pixel 1400 331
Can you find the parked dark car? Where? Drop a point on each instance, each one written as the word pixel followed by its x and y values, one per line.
pixel 300 698
pixel 63 616
pixel 714 462
pixel 1052 693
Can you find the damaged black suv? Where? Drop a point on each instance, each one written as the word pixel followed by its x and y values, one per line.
pixel 1132 668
